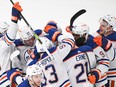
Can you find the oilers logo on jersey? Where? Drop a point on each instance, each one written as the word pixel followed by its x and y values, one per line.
pixel 28 54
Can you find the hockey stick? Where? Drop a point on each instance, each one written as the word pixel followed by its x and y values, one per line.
pixel 35 35
pixel 82 11
pixel 89 66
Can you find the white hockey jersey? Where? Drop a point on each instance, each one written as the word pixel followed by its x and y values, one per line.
pixel 78 63
pixel 6 48
pixel 110 51
pixel 112 69
pixel 53 68
pixel 102 60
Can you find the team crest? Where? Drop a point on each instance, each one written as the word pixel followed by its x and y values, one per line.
pixel 29 54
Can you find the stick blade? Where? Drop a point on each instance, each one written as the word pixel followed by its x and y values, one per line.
pixel 82 11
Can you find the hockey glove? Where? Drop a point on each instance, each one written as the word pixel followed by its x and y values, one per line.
pixel 53 34
pixel 50 24
pixel 103 42
pixel 94 76
pixel 12 74
pixel 98 40
pixel 16 11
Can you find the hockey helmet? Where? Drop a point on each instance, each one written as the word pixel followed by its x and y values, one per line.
pixel 34 70
pixel 111 20
pixel 46 43
pixel 25 33
pixel 81 29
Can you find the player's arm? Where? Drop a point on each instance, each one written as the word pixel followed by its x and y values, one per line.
pixel 101 67
pixel 13 28
pixel 67 43
pixel 15 75
pixel 95 74
pixel 106 45
pixel 103 62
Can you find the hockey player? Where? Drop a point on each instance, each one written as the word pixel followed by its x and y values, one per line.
pixel 7 46
pixel 3 28
pixel 26 44
pixel 80 61
pixel 106 30
pixel 51 62
pixel 80 32
pixel 34 76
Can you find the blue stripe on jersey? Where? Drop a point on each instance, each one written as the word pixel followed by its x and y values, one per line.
pixel 69 41
pixel 102 60
pixel 106 65
pixel 112 76
pixel 78 50
pixel 114 54
pixel 3 73
pixel 64 83
pixel 112 69
pixel 9 37
pixel 3 81
pixel 102 80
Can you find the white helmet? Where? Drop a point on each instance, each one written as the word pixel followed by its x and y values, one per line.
pixel 111 20
pixel 3 27
pixel 81 29
pixel 46 43
pixel 33 70
pixel 25 33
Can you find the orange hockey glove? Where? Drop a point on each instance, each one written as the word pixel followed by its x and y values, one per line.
pixel 94 76
pixel 16 11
